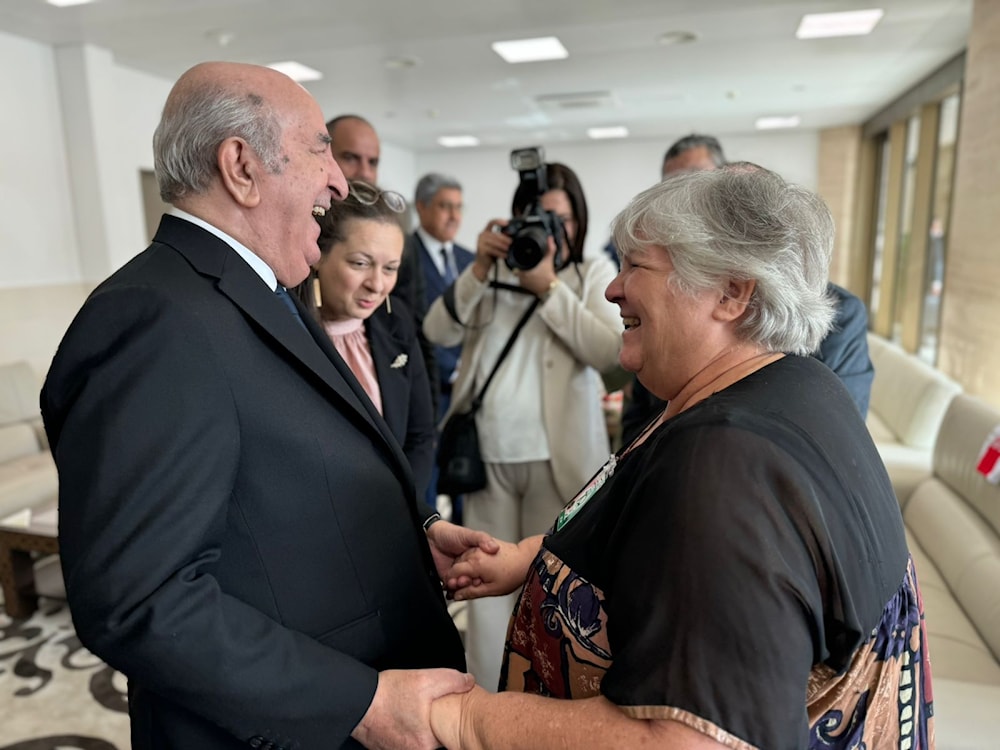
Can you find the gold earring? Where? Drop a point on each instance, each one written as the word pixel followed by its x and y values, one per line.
pixel 388 303
pixel 317 292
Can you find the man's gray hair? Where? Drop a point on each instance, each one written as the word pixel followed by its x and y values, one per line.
pixel 698 140
pixel 196 122
pixel 743 222
pixel 431 183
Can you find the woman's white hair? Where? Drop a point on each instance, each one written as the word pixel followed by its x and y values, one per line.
pixel 738 223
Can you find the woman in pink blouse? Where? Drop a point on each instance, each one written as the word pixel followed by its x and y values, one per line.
pixel 361 240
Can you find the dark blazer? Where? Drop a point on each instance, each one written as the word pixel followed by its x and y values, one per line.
pixel 239 531
pixel 406 393
pixel 845 348
pixel 434 286
pixel 410 290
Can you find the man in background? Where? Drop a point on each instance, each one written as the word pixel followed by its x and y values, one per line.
pixel 845 348
pixel 357 150
pixel 355 147
pixel 438 201
pixel 239 531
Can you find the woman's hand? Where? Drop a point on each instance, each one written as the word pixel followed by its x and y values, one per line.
pixel 491 245
pixel 449 713
pixel 538 280
pixel 477 573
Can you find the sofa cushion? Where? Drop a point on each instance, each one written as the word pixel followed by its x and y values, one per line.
pixel 26 482
pixel 965 714
pixel 909 397
pixel 958 652
pixel 17 441
pixel 954 521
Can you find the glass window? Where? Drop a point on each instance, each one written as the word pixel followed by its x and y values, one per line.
pixel 944 175
pixel 905 222
pixel 878 256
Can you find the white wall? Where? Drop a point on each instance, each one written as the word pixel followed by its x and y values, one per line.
pixel 77 130
pixel 611 172
pixel 37 233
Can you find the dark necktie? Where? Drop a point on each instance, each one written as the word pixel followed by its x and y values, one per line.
pixel 449 274
pixel 287 300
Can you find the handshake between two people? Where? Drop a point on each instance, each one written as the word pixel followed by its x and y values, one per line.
pixel 423 709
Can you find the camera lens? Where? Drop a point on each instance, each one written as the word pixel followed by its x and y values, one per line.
pixel 527 248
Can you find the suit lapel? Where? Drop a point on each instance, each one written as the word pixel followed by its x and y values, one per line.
pixel 210 256
pixel 433 281
pixel 392 381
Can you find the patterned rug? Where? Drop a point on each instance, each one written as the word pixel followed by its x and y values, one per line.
pixel 54 694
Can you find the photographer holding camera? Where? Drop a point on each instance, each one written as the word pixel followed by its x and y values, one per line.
pixel 541 429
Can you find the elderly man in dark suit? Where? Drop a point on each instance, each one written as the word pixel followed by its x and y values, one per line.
pixel 432 254
pixel 239 530
pixel 438 201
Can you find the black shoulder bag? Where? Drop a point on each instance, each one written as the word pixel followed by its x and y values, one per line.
pixel 460 464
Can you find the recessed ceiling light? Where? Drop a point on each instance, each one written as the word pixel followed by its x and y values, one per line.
pixel 676 37
pixel 458 141
pixel 400 63
pixel 615 131
pixel 296 71
pixel 222 37
pixel 848 23
pixel 531 50
pixel 773 123
pixel 66 3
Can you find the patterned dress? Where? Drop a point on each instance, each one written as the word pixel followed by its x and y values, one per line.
pixel 745 572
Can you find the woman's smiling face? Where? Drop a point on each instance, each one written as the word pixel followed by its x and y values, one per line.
pixel 356 275
pixel 665 328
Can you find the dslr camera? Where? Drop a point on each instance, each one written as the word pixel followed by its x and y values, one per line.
pixel 530 231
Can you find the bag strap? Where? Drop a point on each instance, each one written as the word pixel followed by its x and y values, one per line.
pixel 478 400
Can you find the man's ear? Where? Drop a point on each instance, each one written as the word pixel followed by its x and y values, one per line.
pixel 735 299
pixel 240 170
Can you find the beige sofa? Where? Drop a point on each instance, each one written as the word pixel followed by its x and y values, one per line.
pixel 908 402
pixel 27 472
pixel 952 522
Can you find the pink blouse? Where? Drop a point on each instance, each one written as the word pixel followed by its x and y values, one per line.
pixel 348 337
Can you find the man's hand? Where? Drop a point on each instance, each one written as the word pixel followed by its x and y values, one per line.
pixel 399 716
pixel 449 542
pixel 476 575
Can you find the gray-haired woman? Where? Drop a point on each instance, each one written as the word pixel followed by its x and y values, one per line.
pixel 738 576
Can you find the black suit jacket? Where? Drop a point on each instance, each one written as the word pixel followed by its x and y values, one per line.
pixel 406 395
pixel 239 531
pixel 434 286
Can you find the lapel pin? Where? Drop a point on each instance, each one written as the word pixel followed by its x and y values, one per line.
pixel 399 361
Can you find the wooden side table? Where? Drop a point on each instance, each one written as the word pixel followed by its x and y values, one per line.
pixel 23 537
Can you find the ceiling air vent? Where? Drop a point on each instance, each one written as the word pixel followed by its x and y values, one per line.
pixel 578 100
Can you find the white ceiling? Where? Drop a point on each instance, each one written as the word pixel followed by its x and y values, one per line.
pixel 745 63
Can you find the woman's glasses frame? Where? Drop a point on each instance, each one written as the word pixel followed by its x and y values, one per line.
pixel 368 195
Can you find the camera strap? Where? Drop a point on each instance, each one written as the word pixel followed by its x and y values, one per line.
pixel 448 296
pixel 478 400
pixel 510 287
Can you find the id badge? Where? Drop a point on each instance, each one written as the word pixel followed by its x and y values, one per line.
pixel 583 497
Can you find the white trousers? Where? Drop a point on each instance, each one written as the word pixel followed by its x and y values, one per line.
pixel 520 500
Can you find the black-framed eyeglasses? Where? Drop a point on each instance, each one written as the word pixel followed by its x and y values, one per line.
pixel 368 195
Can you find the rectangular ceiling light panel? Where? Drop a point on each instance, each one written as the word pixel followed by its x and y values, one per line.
pixel 296 71
pixel 531 50
pixel 848 23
